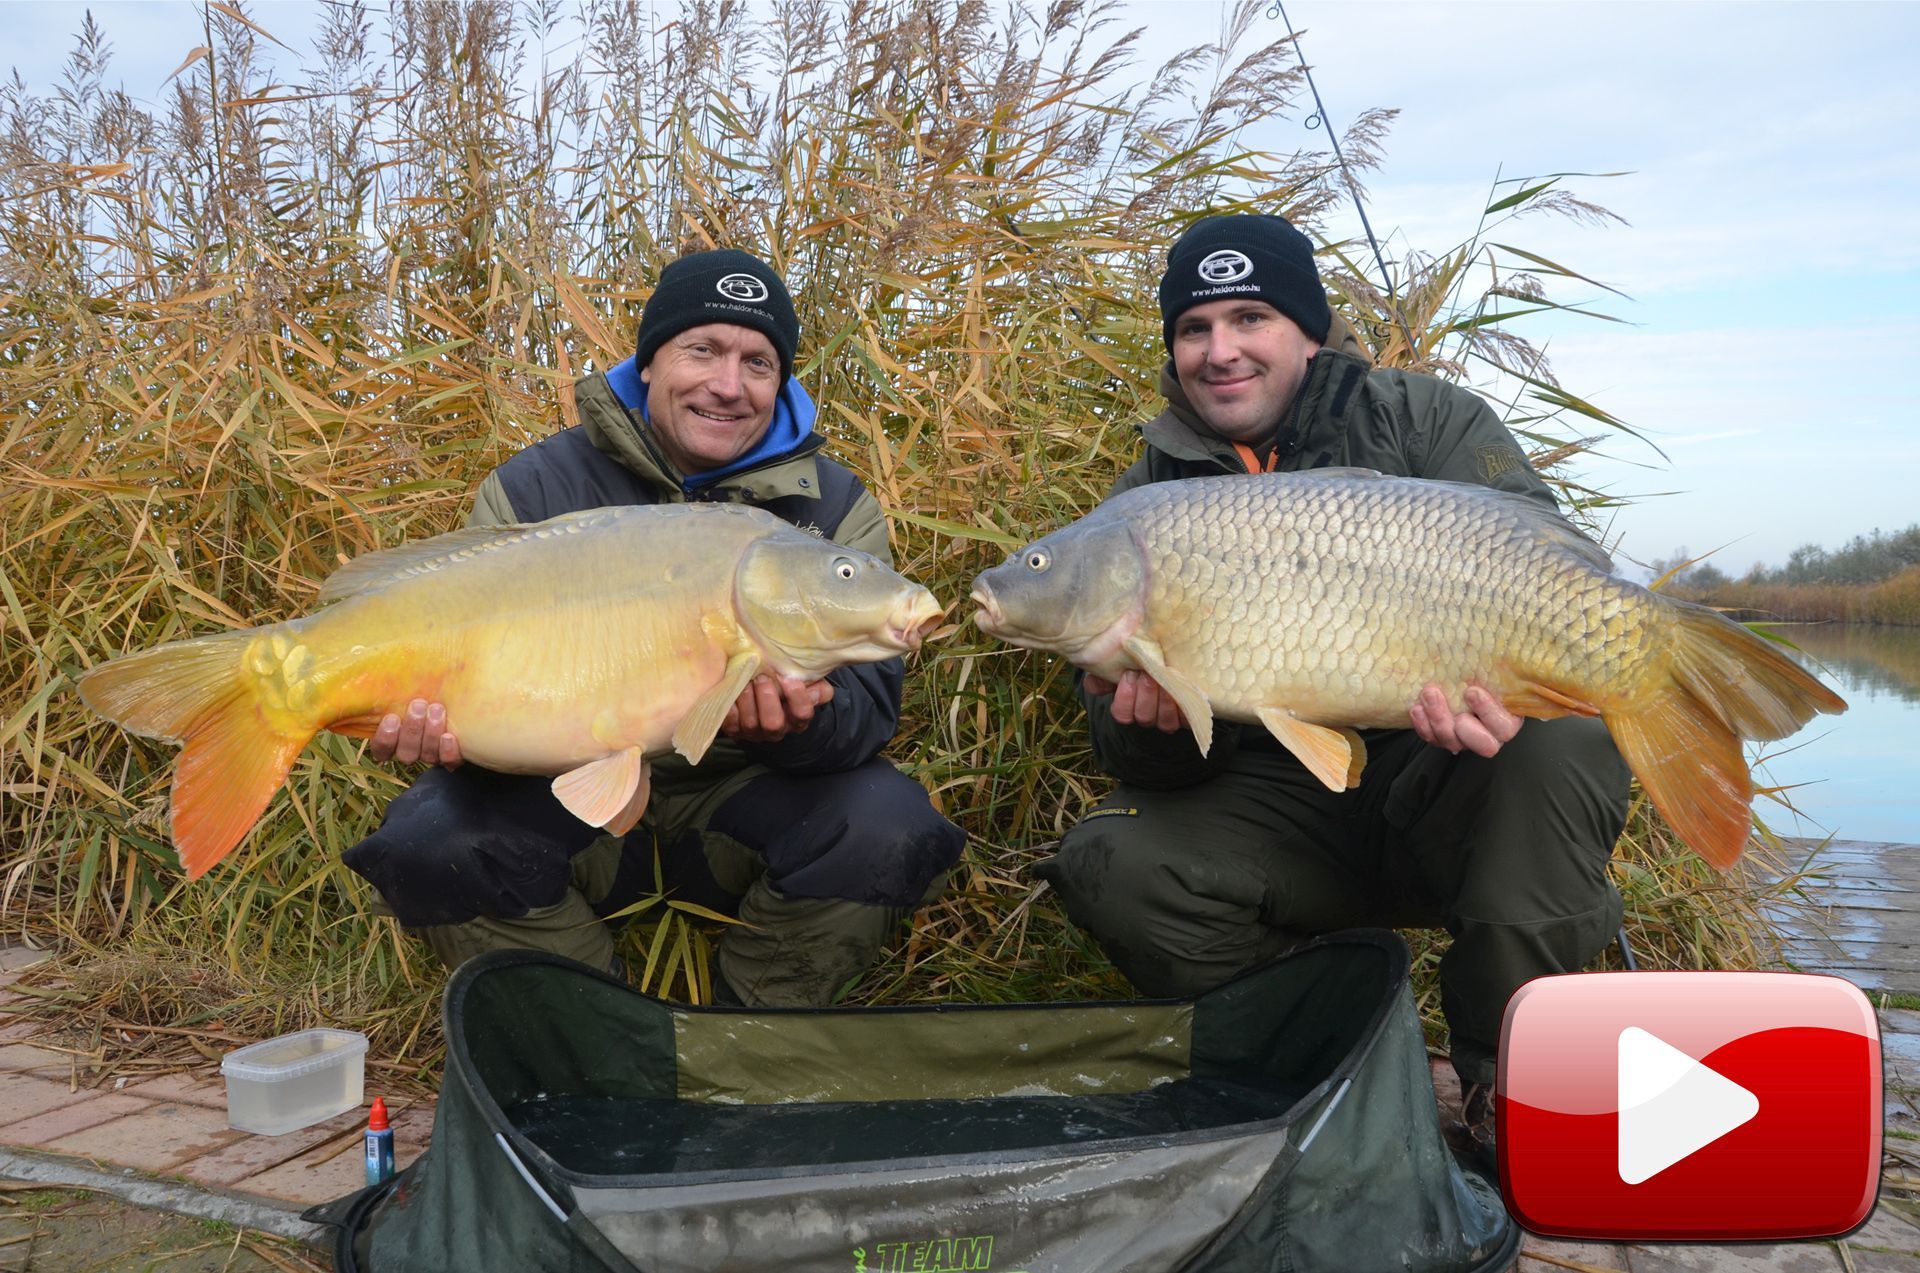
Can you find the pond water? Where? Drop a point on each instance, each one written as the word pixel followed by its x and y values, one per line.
pixel 1855 776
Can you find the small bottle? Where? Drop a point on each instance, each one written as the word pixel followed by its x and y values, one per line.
pixel 379 1144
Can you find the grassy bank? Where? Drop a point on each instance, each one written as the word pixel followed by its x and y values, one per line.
pixel 265 328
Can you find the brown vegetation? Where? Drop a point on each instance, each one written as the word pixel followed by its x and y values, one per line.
pixel 270 326
pixel 1894 600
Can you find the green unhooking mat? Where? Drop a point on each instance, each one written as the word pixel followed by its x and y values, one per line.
pixel 1283 1121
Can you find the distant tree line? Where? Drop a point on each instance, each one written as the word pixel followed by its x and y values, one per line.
pixel 1873 579
pixel 1864 559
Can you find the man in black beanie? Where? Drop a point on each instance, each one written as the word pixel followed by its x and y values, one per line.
pixel 792 821
pixel 1198 868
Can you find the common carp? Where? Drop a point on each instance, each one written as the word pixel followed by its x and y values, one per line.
pixel 1314 603
pixel 577 646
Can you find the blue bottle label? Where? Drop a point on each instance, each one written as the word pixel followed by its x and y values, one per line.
pixel 379 1156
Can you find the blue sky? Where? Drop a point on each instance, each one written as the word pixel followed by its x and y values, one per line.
pixel 1771 255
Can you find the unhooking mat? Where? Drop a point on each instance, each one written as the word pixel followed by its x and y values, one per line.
pixel 1283 1121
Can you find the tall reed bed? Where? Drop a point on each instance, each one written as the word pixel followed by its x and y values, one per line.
pixel 1894 601
pixel 292 316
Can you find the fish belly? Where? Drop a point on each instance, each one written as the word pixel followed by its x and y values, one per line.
pixel 534 703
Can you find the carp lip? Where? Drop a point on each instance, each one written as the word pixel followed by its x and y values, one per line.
pixel 989 617
pixel 907 633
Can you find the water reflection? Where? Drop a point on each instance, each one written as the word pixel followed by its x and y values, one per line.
pixel 1861 659
pixel 1856 776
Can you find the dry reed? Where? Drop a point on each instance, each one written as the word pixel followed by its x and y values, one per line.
pixel 277 322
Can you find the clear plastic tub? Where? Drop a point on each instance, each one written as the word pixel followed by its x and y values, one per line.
pixel 296 1080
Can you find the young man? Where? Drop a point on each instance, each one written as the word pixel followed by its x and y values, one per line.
pixel 792 821
pixel 1196 869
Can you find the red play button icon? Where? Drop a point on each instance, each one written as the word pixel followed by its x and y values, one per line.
pixel 1677 1105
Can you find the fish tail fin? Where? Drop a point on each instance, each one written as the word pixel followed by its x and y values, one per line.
pixel 1682 740
pixel 197 693
pixel 1752 685
pixel 1693 769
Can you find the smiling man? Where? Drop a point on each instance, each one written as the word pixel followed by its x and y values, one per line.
pixel 792 821
pixel 1198 868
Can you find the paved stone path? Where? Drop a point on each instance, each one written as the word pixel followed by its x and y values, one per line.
pixel 164 1142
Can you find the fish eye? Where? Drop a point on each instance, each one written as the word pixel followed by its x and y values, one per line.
pixel 1038 560
pixel 843 566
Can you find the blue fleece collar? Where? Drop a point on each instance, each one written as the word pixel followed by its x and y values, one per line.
pixel 793 417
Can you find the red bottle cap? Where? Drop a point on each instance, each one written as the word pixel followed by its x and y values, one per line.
pixel 377 1116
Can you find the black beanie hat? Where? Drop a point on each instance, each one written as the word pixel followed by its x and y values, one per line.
pixel 1248 254
pixel 722 286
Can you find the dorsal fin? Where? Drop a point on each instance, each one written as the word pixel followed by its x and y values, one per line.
pixel 1337 472
pixel 376 569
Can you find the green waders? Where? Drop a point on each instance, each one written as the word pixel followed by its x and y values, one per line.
pixel 1185 888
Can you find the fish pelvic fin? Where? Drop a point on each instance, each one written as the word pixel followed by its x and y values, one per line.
pixel 1543 702
pixel 1334 756
pixel 1745 680
pixel 1692 768
pixel 197 693
pixel 610 792
pixel 1190 698
pixel 701 724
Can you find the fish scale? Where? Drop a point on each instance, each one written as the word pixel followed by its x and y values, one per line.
pixel 1282 573
pixel 1318 603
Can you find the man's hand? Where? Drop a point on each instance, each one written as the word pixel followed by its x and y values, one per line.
pixel 1482 728
pixel 1139 700
pixel 770 708
pixel 419 737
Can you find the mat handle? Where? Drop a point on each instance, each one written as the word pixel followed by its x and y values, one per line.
pixel 527 1176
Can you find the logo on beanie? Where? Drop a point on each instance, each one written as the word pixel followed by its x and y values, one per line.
pixel 1224 266
pixel 742 287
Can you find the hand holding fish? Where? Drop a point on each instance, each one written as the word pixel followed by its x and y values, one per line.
pixel 1138 699
pixel 769 709
pixel 421 737
pixel 1483 728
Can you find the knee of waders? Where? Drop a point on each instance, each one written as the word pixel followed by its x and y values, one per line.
pixel 1551 759
pixel 870 836
pixel 1109 875
pixel 465 843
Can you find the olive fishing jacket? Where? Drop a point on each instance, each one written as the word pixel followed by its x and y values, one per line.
pixel 1348 414
pixel 610 458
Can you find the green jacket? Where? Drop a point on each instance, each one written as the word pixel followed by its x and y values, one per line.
pixel 1348 414
pixel 610 459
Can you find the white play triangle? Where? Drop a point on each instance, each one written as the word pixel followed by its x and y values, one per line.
pixel 1671 1105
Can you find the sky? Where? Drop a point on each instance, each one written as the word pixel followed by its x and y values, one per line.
pixel 1770 259
pixel 1771 256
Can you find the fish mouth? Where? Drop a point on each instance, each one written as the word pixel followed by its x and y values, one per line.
pixel 988 617
pixel 908 628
